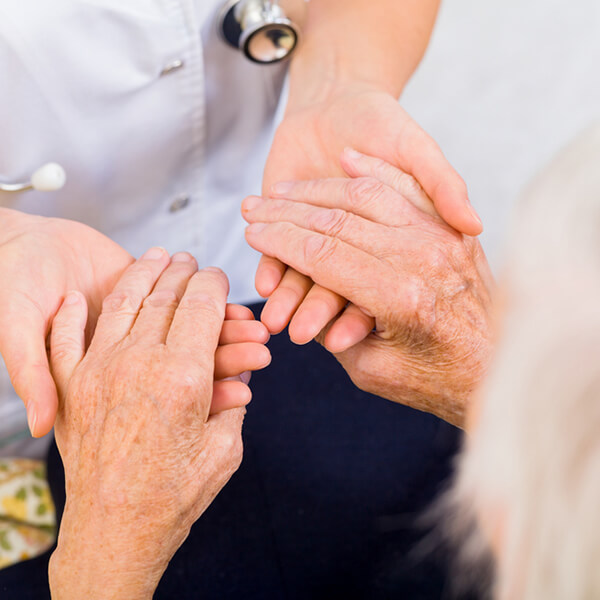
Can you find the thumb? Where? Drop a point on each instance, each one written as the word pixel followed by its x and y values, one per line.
pixel 67 339
pixel 23 348
pixel 411 149
pixel 426 162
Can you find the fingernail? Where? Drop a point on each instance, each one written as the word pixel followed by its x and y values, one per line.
pixel 182 257
pixel 255 227
pixel 245 377
pixel 476 216
pixel 71 298
pixel 251 202
pixel 32 421
pixel 352 153
pixel 281 188
pixel 154 253
pixel 212 269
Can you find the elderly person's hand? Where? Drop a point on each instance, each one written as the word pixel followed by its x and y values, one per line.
pixel 143 456
pixel 307 145
pixel 377 242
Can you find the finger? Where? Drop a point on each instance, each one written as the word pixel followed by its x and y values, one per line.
pixel 234 332
pixel 357 164
pixel 218 453
pixel 418 154
pixel 67 339
pixel 198 320
pixel 120 308
pixel 351 328
pixel 284 301
pixel 365 197
pixel 23 330
pixel 229 394
pixel 334 222
pixel 318 308
pixel 331 263
pixel 154 319
pixel 269 273
pixel 234 359
pixel 235 312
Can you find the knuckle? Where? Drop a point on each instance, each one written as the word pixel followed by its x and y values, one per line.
pixel 63 348
pixel 118 302
pixel 141 273
pixel 319 249
pixel 161 298
pixel 330 222
pixel 365 190
pixel 201 302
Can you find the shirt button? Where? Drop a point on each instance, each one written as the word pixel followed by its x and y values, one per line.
pixel 179 203
pixel 172 66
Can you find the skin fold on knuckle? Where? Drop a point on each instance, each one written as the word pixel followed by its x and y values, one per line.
pixel 364 191
pixel 203 303
pixel 120 302
pixel 63 348
pixel 330 222
pixel 318 250
pixel 161 298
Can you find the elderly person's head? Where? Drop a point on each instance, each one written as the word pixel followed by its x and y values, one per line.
pixel 529 479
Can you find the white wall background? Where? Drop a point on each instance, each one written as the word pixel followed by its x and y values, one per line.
pixel 505 84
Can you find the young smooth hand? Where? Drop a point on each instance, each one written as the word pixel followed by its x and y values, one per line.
pixel 41 259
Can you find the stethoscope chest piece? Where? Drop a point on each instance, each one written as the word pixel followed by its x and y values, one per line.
pixel 266 32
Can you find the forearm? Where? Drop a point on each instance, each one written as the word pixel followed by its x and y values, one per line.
pixel 375 42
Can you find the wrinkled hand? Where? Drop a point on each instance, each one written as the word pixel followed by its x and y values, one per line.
pixel 143 458
pixel 377 242
pixel 42 259
pixel 307 145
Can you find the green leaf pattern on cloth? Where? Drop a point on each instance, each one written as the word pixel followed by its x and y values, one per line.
pixel 27 516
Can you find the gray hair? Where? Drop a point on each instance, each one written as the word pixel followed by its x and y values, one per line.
pixel 528 482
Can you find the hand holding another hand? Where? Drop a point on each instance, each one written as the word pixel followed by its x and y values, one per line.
pixel 307 145
pixel 41 259
pixel 143 451
pixel 376 241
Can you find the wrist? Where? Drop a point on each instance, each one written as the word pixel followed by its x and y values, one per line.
pixel 98 558
pixel 318 79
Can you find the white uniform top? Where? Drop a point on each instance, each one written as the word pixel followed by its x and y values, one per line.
pixel 161 127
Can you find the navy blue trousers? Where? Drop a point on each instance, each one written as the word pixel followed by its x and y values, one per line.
pixel 324 506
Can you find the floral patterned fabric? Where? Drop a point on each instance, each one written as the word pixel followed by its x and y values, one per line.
pixel 27 516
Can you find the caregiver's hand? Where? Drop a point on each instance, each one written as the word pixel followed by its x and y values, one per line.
pixel 307 145
pixel 40 260
pixel 426 286
pixel 143 458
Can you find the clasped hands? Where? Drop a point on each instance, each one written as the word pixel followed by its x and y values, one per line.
pixel 414 324
pixel 141 397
